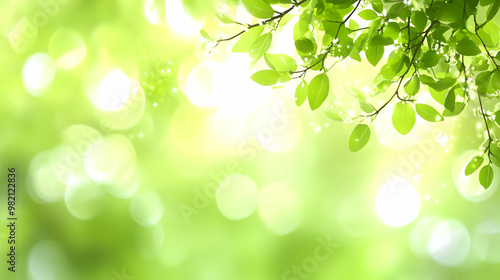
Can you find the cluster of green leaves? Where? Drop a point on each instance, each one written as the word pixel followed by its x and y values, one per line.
pixel 439 44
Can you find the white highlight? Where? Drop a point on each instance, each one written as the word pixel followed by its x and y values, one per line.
pixel 38 73
pixel 397 203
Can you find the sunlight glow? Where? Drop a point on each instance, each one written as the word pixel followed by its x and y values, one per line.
pixel 397 203
pixel 113 91
pixel 38 73
pixel 179 20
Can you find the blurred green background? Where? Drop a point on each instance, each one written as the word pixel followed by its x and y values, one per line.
pixel 140 155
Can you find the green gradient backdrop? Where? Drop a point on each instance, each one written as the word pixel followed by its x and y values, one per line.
pixel 122 194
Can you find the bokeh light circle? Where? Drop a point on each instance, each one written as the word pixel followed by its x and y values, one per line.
pixel 83 197
pixel 237 196
pixel 45 186
pixel 449 243
pixel 397 203
pixel 38 73
pixel 279 208
pixel 109 159
pixel 68 48
pixel 486 241
pixel 421 234
pixel 113 91
pixel 127 115
pixel 146 208
pixel 47 261
pixel 199 85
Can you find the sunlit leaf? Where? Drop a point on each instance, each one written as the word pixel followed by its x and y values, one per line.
pixel 493 10
pixel 301 93
pixel 304 45
pixel 359 137
pixel 334 116
pixel 258 8
pixel 223 18
pixel 247 39
pixel 473 165
pixel 403 117
pixel 412 86
pixel 419 20
pixel 281 62
pixel 368 14
pixel 449 102
pixel 260 47
pixel 205 35
pixel 266 77
pixel 318 90
pixel 428 113
pixel 366 107
pixel 467 47
pixel 486 176
pixel 374 54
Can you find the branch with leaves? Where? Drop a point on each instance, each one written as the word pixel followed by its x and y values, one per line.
pixel 434 43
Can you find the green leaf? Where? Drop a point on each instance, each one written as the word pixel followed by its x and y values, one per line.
pixel 419 20
pixel 483 81
pixel 304 45
pixel 258 8
pixel 412 86
pixel 318 90
pixel 301 93
pixel 495 80
pixel 486 176
pixel 473 165
pixel 403 117
pixel 266 77
pixel 356 93
pixel 495 151
pixel 334 116
pixel 247 39
pixel 368 14
pixel 428 113
pixel 285 77
pixel 459 107
pixel 374 54
pixel 359 137
pixel 281 62
pixel 392 30
pixel 379 40
pixel 430 59
pixel 395 10
pixel 497 117
pixel 223 18
pixel 205 35
pixel 366 107
pixel 260 47
pixel 449 102
pixel 467 47
pixel 378 5
pixel 492 10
